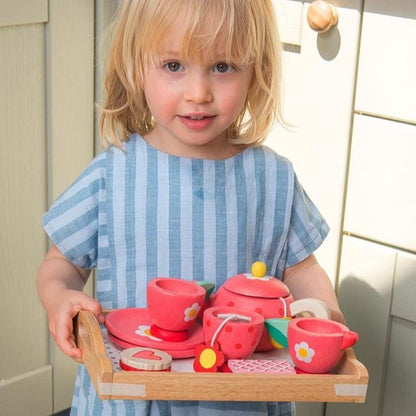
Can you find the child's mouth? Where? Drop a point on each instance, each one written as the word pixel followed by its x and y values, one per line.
pixel 196 117
pixel 197 122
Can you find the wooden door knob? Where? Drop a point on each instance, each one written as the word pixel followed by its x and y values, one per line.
pixel 322 16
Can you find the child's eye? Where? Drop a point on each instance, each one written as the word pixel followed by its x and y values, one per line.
pixel 173 66
pixel 223 67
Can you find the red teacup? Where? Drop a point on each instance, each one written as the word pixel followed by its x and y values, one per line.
pixel 173 306
pixel 316 345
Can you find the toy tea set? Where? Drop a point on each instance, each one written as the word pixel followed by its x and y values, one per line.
pixel 251 312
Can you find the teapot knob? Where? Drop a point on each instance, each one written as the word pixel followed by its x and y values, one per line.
pixel 258 269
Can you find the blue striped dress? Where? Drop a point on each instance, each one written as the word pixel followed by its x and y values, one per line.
pixel 138 213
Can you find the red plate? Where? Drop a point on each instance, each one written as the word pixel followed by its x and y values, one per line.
pixel 132 325
pixel 175 354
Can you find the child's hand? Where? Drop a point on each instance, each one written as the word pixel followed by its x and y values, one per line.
pixel 61 318
pixel 60 284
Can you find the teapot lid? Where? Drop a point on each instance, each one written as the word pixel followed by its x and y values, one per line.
pixel 257 283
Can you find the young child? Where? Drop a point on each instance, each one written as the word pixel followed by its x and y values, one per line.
pixel 184 188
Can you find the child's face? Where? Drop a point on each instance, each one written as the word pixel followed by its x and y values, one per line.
pixel 194 101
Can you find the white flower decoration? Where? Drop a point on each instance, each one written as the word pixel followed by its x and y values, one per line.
pixel 252 277
pixel 192 312
pixel 304 352
pixel 144 331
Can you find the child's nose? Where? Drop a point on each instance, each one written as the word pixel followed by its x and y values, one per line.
pixel 198 89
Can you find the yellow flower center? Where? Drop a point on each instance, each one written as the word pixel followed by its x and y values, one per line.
pixel 303 352
pixel 192 313
pixel 208 358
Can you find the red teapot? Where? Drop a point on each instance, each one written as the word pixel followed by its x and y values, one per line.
pixel 256 292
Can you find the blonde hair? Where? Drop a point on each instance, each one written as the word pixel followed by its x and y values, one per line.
pixel 249 30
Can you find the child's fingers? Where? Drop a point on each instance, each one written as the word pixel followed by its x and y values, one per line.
pixel 61 322
pixel 64 338
pixel 93 306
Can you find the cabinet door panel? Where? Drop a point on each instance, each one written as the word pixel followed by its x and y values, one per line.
pixel 381 202
pixel 20 12
pixel 23 339
pixel 404 294
pixel 364 293
pixel 388 60
pixel 399 393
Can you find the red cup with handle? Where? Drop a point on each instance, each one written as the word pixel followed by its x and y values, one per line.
pixel 316 345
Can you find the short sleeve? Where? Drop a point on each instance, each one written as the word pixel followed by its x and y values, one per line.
pixel 307 228
pixel 72 220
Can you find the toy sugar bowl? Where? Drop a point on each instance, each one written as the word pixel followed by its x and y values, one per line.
pixel 256 292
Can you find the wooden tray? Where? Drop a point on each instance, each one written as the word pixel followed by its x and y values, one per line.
pixel 348 384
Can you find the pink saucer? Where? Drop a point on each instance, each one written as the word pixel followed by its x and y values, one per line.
pixel 132 325
pixel 175 354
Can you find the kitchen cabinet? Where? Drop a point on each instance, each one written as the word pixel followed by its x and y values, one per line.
pixel 401 365
pixel 319 75
pixel 47 125
pixel 361 174
pixel 387 67
pixel 25 373
pixel 377 279
pixel 381 203
pixel 377 289
pixel 365 290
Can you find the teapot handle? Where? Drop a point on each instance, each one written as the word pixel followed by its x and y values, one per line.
pixel 315 307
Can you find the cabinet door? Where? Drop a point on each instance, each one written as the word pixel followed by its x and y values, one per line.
pixel 400 383
pixel 377 290
pixel 399 392
pixel 381 202
pixel 319 72
pixel 25 372
pixel 364 293
pixel 47 120
pixel 386 77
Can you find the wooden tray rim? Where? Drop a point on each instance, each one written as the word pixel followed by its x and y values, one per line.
pixel 349 384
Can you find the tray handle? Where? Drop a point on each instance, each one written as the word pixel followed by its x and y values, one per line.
pixel 90 341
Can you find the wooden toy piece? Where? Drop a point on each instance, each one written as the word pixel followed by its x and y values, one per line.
pixel 208 358
pixel 316 345
pixel 176 354
pixel 133 326
pixel 238 332
pixel 258 269
pixel 261 366
pixel 277 329
pixel 348 383
pixel 208 286
pixel 145 359
pixel 173 306
pixel 314 307
pixel 258 292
